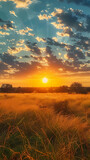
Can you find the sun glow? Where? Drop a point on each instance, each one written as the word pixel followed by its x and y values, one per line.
pixel 45 80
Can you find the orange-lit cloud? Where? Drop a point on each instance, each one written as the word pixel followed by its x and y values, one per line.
pixel 20 3
pixel 63 34
pixel 4 33
pixel 15 50
pixel 24 31
pixel 40 39
pixel 44 16
pixel 57 25
pixel 13 13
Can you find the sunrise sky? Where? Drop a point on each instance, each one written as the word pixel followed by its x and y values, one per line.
pixel 44 38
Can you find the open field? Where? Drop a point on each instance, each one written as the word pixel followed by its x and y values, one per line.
pixel 44 126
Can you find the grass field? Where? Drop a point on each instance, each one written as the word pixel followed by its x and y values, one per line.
pixel 44 126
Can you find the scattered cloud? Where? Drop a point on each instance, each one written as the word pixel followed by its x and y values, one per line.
pixel 10 65
pixel 33 47
pixel 44 17
pixel 20 3
pixel 13 13
pixel 2 43
pixel 62 34
pixel 24 31
pixel 55 39
pixel 4 33
pixel 64 44
pixel 40 39
pixel 6 24
pixel 57 25
pixel 14 50
pixel 20 42
pixel 31 34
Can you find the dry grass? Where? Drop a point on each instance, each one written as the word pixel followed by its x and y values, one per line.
pixel 44 126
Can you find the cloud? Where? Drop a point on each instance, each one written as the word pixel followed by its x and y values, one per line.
pixel 25 56
pixel 33 47
pixel 77 12
pixel 56 64
pixel 14 50
pixel 63 34
pixel 3 67
pixel 74 57
pixel 20 46
pixel 20 42
pixel 88 23
pixel 51 41
pixel 5 24
pixel 57 10
pixel 41 59
pixel 8 59
pixel 4 27
pixel 88 54
pixel 40 39
pixel 56 53
pixel 4 33
pixel 55 39
pixel 20 3
pixel 24 31
pixel 57 25
pixel 75 53
pixel 44 17
pixel 13 13
pixel 31 34
pixel 10 65
pixel 71 18
pixel 83 42
pixel 2 43
pixel 78 2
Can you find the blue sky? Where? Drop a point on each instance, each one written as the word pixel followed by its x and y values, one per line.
pixel 38 35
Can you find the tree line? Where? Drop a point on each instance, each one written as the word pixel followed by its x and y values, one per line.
pixel 74 88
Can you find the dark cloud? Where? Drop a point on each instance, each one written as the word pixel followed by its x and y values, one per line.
pixel 78 2
pixel 48 50
pixel 50 41
pixel 88 54
pixel 3 67
pixel 33 47
pixel 25 56
pixel 75 53
pixel 77 12
pixel 88 23
pixel 70 20
pixel 5 24
pixel 62 66
pixel 87 61
pixel 70 32
pixel 22 68
pixel 8 59
pixel 84 42
pixel 26 69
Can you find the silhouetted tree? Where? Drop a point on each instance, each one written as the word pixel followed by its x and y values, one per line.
pixel 64 88
pixel 77 88
pixel 6 87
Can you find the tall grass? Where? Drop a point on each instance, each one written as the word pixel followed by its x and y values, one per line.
pixel 44 127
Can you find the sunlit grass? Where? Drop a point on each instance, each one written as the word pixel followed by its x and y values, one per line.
pixel 44 126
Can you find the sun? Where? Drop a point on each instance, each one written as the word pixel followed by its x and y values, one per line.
pixel 45 80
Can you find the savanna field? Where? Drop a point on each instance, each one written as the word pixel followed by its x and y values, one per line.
pixel 44 126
